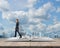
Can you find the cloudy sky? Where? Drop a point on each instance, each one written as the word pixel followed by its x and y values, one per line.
pixel 33 15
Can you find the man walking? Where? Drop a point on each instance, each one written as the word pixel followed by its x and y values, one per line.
pixel 17 29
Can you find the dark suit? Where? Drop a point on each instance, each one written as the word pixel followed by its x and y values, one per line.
pixel 17 30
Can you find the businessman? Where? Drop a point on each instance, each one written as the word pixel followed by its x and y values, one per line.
pixel 17 28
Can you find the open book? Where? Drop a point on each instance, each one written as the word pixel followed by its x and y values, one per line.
pixel 27 38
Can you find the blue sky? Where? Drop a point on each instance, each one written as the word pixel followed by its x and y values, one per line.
pixel 34 15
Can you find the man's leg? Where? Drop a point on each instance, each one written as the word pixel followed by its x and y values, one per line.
pixel 20 34
pixel 15 33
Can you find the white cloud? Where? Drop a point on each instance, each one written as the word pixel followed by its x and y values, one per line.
pixel 55 21
pixel 53 28
pixel 42 11
pixel 30 3
pixel 22 4
pixel 37 28
pixel 11 16
pixel 31 18
pixel 1 29
pixel 31 13
pixel 58 9
pixel 4 5
pixel 58 0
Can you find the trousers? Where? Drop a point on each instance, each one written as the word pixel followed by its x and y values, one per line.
pixel 18 33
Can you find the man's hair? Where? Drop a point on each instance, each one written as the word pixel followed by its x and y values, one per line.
pixel 17 19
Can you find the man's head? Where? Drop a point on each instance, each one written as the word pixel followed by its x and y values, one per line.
pixel 17 20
